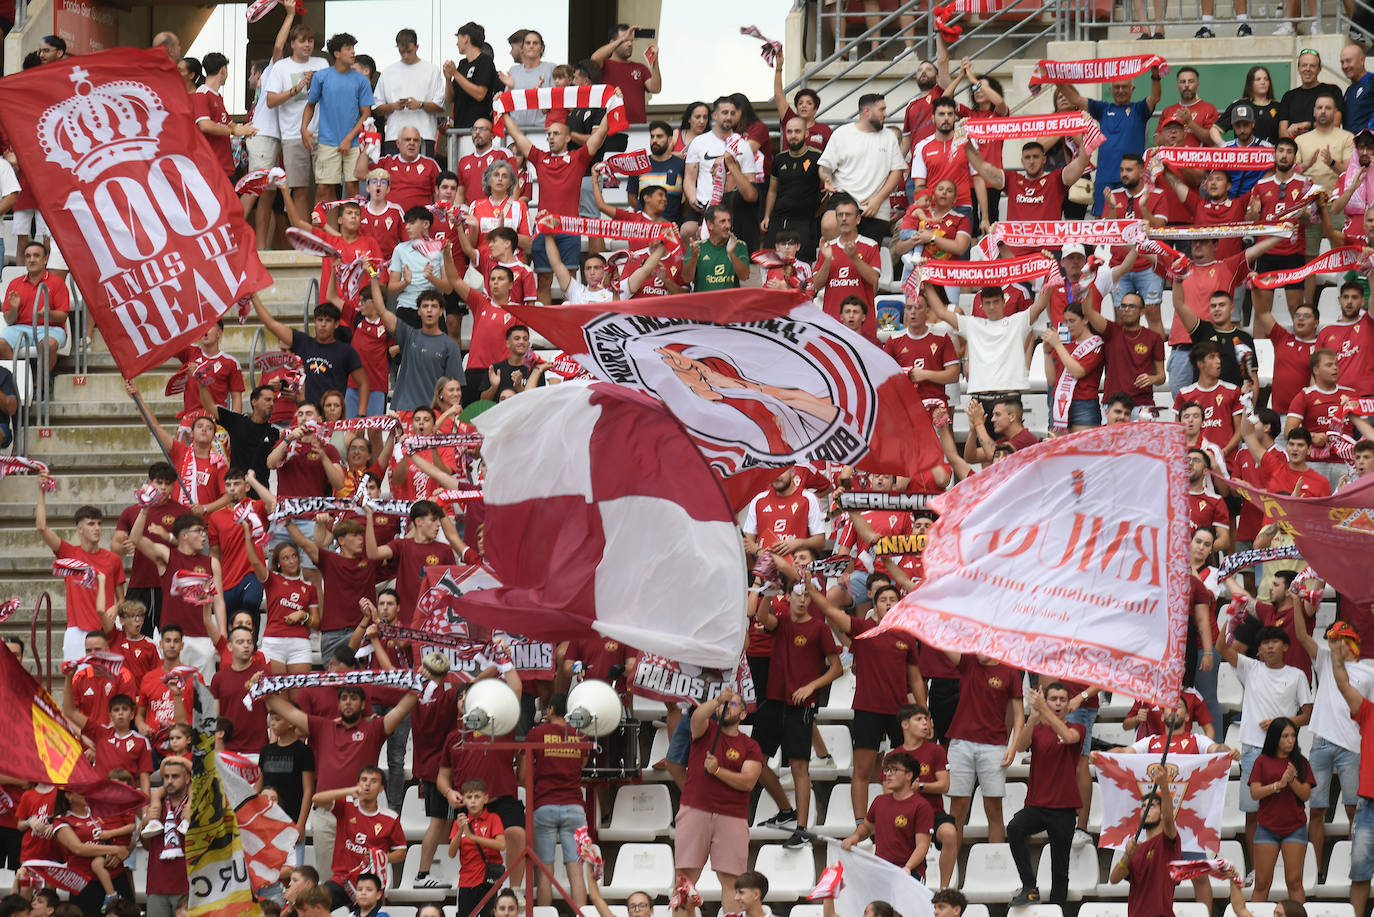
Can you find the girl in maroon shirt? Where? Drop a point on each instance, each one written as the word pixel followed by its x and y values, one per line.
pixel 1282 781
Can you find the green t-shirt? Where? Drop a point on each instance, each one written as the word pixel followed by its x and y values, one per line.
pixel 715 270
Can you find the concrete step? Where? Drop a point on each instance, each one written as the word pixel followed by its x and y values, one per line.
pixel 72 444
pixel 105 412
pixel 238 339
pixel 98 487
pixel 17 513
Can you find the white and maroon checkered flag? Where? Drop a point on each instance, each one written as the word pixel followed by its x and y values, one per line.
pixel 1198 785
pixel 625 512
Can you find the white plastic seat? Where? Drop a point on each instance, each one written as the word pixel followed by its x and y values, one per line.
pixel 1104 909
pixel 647 710
pixel 990 875
pixel 1279 891
pixel 658 751
pixel 976 910
pixel 640 813
pixel 641 867
pixel 1329 908
pixel 1232 818
pixel 839 813
pixel 1012 802
pixel 1114 709
pixel 1257 908
pixel 841 703
pixel 1229 694
pixel 791 873
pixel 545 911
pixel 443 869
pixel 1114 891
pixel 1233 851
pixel 767 808
pixel 807 910
pixel 1337 884
pixel 414 822
pixel 1082 873
pixel 708 883
pixel 1264 358
pixel 1191 909
pixel 1036 910
pixel 1113 733
pixel 401 910
pixel 841 747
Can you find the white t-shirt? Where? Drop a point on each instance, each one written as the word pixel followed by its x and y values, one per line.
pixel 706 148
pixel 420 80
pixel 578 293
pixel 525 78
pixel 859 161
pixel 9 182
pixel 1269 693
pixel 996 352
pixel 1330 712
pixel 286 74
pixel 264 118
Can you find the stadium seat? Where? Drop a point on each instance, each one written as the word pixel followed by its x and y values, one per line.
pixel 976 910
pixel 841 703
pixel 443 869
pixel 1106 909
pixel 839 813
pixel 1278 891
pixel 791 873
pixel 1339 826
pixel 1095 810
pixel 550 910
pixel 841 747
pixel 1229 694
pixel 1230 850
pixel 641 867
pixel 1012 802
pixel 1113 733
pixel 1329 908
pixel 1118 890
pixel 1232 818
pixel 658 750
pixel 1257 908
pixel 989 874
pixel 414 822
pixel 1036 910
pixel 646 710
pixel 809 910
pixel 1082 873
pixel 767 808
pixel 1116 708
pixel 403 910
pixel 589 910
pixel 1191 909
pixel 640 813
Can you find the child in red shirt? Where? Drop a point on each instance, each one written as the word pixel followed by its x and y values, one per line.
pixel 478 840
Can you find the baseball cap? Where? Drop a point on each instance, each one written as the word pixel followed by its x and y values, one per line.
pixel 1243 112
pixel 1343 630
pixel 1073 248
pixel 1171 120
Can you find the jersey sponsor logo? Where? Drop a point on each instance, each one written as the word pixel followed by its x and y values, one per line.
pixel 732 754
pixel 799 640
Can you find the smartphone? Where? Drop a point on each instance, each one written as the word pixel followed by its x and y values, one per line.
pixel 646 33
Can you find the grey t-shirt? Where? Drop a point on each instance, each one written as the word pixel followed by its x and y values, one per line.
pixel 424 358
pixel 526 78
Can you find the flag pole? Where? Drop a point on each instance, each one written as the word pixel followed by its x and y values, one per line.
pixel 1154 794
pixel 152 428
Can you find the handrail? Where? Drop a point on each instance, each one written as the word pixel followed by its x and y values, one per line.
pixel 83 342
pixel 44 659
pixel 311 300
pixel 20 444
pixel 840 51
pixel 259 337
pixel 40 348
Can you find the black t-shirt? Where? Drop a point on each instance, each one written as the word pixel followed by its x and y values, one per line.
pixel 1228 342
pixel 7 387
pixel 482 71
pixel 584 121
pixel 327 366
pixel 1297 104
pixel 799 184
pixel 507 374
pixel 249 442
pixel 282 768
pixel 1266 119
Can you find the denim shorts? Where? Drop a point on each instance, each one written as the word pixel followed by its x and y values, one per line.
pixel 557 823
pixel 976 764
pixel 1085 413
pixel 1085 717
pixel 1362 841
pixel 1264 836
pixel 569 252
pixel 1328 758
pixel 680 742
pixel 1248 754
pixel 1147 283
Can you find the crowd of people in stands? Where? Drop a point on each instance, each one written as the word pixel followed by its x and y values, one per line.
pixel 809 208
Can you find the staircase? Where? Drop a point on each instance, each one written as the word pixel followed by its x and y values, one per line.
pixel 99 448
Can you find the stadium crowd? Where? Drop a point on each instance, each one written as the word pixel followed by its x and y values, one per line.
pixel 812 208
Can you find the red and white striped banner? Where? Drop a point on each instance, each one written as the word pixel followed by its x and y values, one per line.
pixel 1097 70
pixel 69 566
pixel 1362 406
pixel 1223 231
pixel 629 230
pixel 1026 127
pixel 1055 233
pixel 997 273
pixel 1337 260
pixel 1239 158
pixel 565 97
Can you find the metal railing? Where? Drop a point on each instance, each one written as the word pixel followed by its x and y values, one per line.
pixel 19 444
pixel 42 662
pixel 1359 23
pixel 312 299
pixel 1092 17
pixel 455 135
pixel 259 340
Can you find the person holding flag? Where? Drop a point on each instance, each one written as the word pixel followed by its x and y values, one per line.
pixel 1146 865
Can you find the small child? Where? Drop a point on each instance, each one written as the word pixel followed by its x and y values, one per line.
pixel 140 653
pixel 367 896
pixel 180 737
pixel 478 840
pixel 793 274
pixel 113 827
pixel 562 76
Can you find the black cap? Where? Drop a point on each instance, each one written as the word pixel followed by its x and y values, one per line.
pixel 1243 112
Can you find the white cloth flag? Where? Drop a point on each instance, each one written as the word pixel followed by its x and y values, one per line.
pixel 1066 559
pixel 867 878
pixel 1198 786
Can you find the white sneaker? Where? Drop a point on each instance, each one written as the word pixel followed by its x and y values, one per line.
pixel 1081 839
pixel 1250 879
pixel 1285 28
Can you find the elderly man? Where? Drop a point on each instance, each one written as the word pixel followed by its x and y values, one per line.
pixel 413 174
pixel 1123 125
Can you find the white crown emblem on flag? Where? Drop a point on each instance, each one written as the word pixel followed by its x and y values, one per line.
pixel 101 126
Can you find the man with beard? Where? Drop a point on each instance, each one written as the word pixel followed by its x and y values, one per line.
pixel 1135 199
pixel 1195 114
pixel 794 191
pixel 703 182
pixel 1243 126
pixel 1276 193
pixel 1146 863
pixel 931 81
pixel 1352 338
pixel 634 81
pixel 1123 125
pixel 938 157
pixel 343 746
pixel 666 169
pixel 862 159
pixel 785 517
pixel 1033 194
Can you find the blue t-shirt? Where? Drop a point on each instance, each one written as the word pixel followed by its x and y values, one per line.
pixel 1359 104
pixel 1242 181
pixel 339 98
pixel 667 175
pixel 1124 129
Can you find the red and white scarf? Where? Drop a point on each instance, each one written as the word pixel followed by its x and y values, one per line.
pixel 829 884
pixel 635 162
pixel 1097 69
pixel 1056 233
pixel 259 180
pixel 13 464
pixel 1239 158
pixel 1362 406
pixel 1174 262
pixel 1309 197
pixel 565 97
pixel 1217 867
pixel 1337 260
pixel 383 422
pixel 309 243
pixel 998 273
pixel 631 230
pixel 416 443
pixel 736 145
pixel 8 608
pixel 1063 388
pixel 1026 127
pixel 771 49
pixel 194 588
pixel 83 572
pixel 1223 231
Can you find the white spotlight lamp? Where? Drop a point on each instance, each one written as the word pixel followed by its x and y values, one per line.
pixel 594 708
pixel 492 708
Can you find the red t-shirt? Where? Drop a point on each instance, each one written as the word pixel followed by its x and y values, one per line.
pixel 1306 483
pixel 358 834
pixel 1127 356
pixel 92 690
pixel 1274 196
pixel 387 229
pixel 1127 206
pixel 845 281
pixel 896 825
pixel 800 649
pixel 301 474
pixel 225 375
pixel 1201 283
pixel 1206 510
pixel 250 724
pixel 1035 198
pixel 35 803
pixel 1354 346
pixel 371 340
pixel 81 601
pixel 58 297
pixel 773 518
pixel 489 324
pixel 1151 888
pixel 929 351
pixel 411 558
pixel 227 535
pixel 412 183
pixel 1052 784
pixel 473 858
pixel 557 768
pixel 143 572
pixel 1364 717
pixel 208 105
pixel 365 244
pixel 431 721
pixel 1207 212
pixel 87 830
pixel 141 655
pixel 1292 365
pixel 204 477
pixel 880 667
pixel 130 752
pixel 1220 408
pixel 1086 388
pixel 918 122
pixel 817 135
pixel 345 582
pixel 287 596
pixel 598 654
pixel 984 690
pixel 524 287
pixel 629 77
pixel 560 178
pixel 466 760
pixel 158 699
pixel 1204 114
pixel 1319 412
pixel 1282 812
pixel 473 166
pixel 932 758
pixel 708 794
pixel 933 160
pixel 342 750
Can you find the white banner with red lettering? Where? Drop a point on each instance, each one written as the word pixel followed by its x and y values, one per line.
pixel 1097 70
pixel 1067 559
pixel 147 220
pixel 1334 261
pixel 1026 127
pixel 997 273
pixel 1241 158
pixel 1197 784
pixel 1056 233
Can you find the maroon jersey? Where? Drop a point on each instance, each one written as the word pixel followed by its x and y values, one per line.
pixel 466 760
pixel 557 767
pixel 175 609
pixel 928 351
pixel 1151 887
pixel 1052 784
pixel 230 688
pixel 143 572
pixel 984 690
pixel 1128 354
pixel 342 750
pixel 800 649
pixel 897 823
pixel 411 558
pixel 932 759
pixel 704 792
pixel 1292 365
pixel 1289 620
pixel 1275 196
pixel 1282 812
pixel 1220 405
pixel 881 667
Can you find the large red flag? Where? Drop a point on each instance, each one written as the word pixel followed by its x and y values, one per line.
pixel 146 219
pixel 1335 534
pixel 41 749
pixel 757 377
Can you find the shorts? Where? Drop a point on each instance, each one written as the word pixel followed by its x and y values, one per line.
pixel 941 818
pixel 510 810
pixel 13 333
pixel 586 200
pixel 680 742
pixel 299 164
pixel 1085 413
pixel 1085 717
pixel 200 653
pixel 287 650
pixel 1361 841
pixel 783 725
pixel 569 252
pixel 1147 283
pixel 557 823
pixel 279 534
pixel 858 585
pixel 1264 836
pixel 1328 758
pixel 30 223
pixel 974 764
pixel 376 403
pixel 700 835
pixel 1248 754
pixel 436 805
pixel 870 728
pixel 263 152
pixel 1271 262
pixel 333 167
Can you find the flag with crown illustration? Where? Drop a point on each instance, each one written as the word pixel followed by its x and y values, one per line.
pixel 147 221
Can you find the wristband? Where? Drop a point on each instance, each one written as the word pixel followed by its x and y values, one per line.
pixel 504 667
